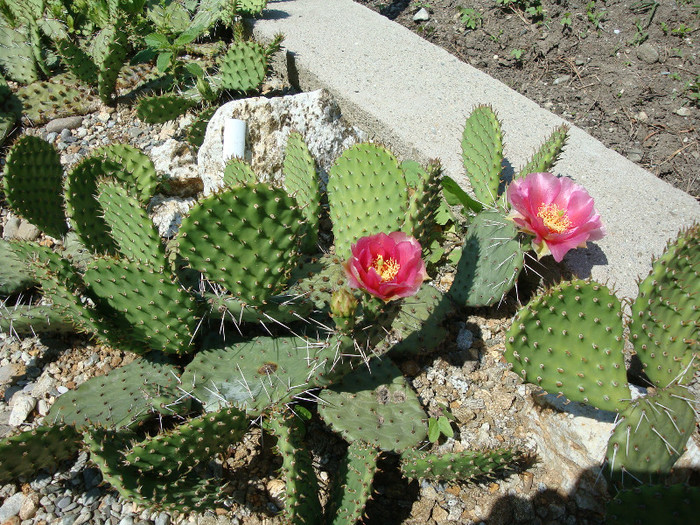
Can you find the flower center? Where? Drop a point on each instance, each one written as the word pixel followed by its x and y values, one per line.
pixel 555 219
pixel 388 269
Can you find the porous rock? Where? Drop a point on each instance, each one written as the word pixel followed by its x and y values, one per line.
pixel 315 115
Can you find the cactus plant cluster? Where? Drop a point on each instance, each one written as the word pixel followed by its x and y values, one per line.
pixel 570 340
pixel 493 253
pixel 68 58
pixel 233 321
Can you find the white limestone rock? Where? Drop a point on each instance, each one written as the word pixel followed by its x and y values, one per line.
pixel 270 120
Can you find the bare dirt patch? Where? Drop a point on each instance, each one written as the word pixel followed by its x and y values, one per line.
pixel 627 72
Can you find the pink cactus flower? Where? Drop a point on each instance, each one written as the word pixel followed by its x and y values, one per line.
pixel 557 211
pixel 386 266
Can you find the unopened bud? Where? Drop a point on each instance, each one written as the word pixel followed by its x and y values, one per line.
pixel 343 303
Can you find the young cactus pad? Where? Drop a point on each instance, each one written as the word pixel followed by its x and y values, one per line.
pixel 482 153
pixel 378 408
pixel 458 465
pixel 352 485
pixel 569 341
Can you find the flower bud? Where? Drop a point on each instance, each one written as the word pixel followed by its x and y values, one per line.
pixel 343 303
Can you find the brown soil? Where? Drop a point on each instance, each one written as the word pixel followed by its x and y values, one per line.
pixel 627 72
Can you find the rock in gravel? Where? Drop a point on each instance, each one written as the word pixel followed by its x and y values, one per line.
pixel 19 229
pixel 59 124
pixel 315 115
pixel 29 506
pixel 22 406
pixel 422 15
pixel 11 506
pixel 647 53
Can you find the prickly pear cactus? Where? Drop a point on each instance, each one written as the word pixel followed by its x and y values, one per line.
pixel 458 465
pixel 378 408
pixel 654 504
pixel 569 341
pixel 491 260
pixel 162 108
pixel 44 101
pixel 482 153
pixel 650 435
pixel 352 486
pixel 244 66
pixel 32 184
pixel 367 194
pixel 548 154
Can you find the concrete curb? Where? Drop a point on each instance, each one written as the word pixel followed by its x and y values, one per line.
pixel 414 97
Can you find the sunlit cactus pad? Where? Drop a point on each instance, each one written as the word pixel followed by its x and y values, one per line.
pixel 457 465
pixel 569 341
pixel 650 435
pixel 378 408
pixel 123 398
pixel 252 375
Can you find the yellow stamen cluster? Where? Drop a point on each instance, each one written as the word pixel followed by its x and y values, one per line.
pixel 388 269
pixel 555 219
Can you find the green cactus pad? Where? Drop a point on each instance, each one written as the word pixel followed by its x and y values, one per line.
pixel 16 56
pixel 569 341
pixel 277 310
pixel 665 320
pixel 185 494
pixel 238 172
pixel 548 153
pixel 352 484
pixel 302 505
pixel 44 447
pixel 77 61
pixel 367 194
pixel 130 227
pixel 25 320
pixel 482 153
pixel 317 279
pixel 110 55
pixel 83 209
pixel 160 312
pixel 131 167
pixel 492 258
pixel 424 202
pixel 301 181
pixel 197 130
pixel 375 406
pixel 457 465
pixel 243 67
pixel 33 184
pixel 245 239
pixel 650 436
pixel 178 451
pixel 45 101
pixel 15 273
pixel 123 398
pixel 250 7
pixel 416 328
pixel 654 504
pixel 255 374
pixel 162 108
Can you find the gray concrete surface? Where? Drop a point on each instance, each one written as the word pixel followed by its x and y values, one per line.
pixel 414 97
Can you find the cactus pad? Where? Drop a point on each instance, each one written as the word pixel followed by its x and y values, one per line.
pixel 301 181
pixel 302 505
pixel 44 447
pixel 45 101
pixel 548 153
pixel 491 260
pixel 33 184
pixel 160 313
pixel 162 108
pixel 178 451
pixel 352 486
pixel 367 194
pixel 457 465
pixel 15 274
pixel 244 66
pixel 254 374
pixel 482 153
pixel 378 408
pixel 650 435
pixel 124 397
pixel 245 239
pixel 131 167
pixel 237 172
pixel 569 341
pixel 654 504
